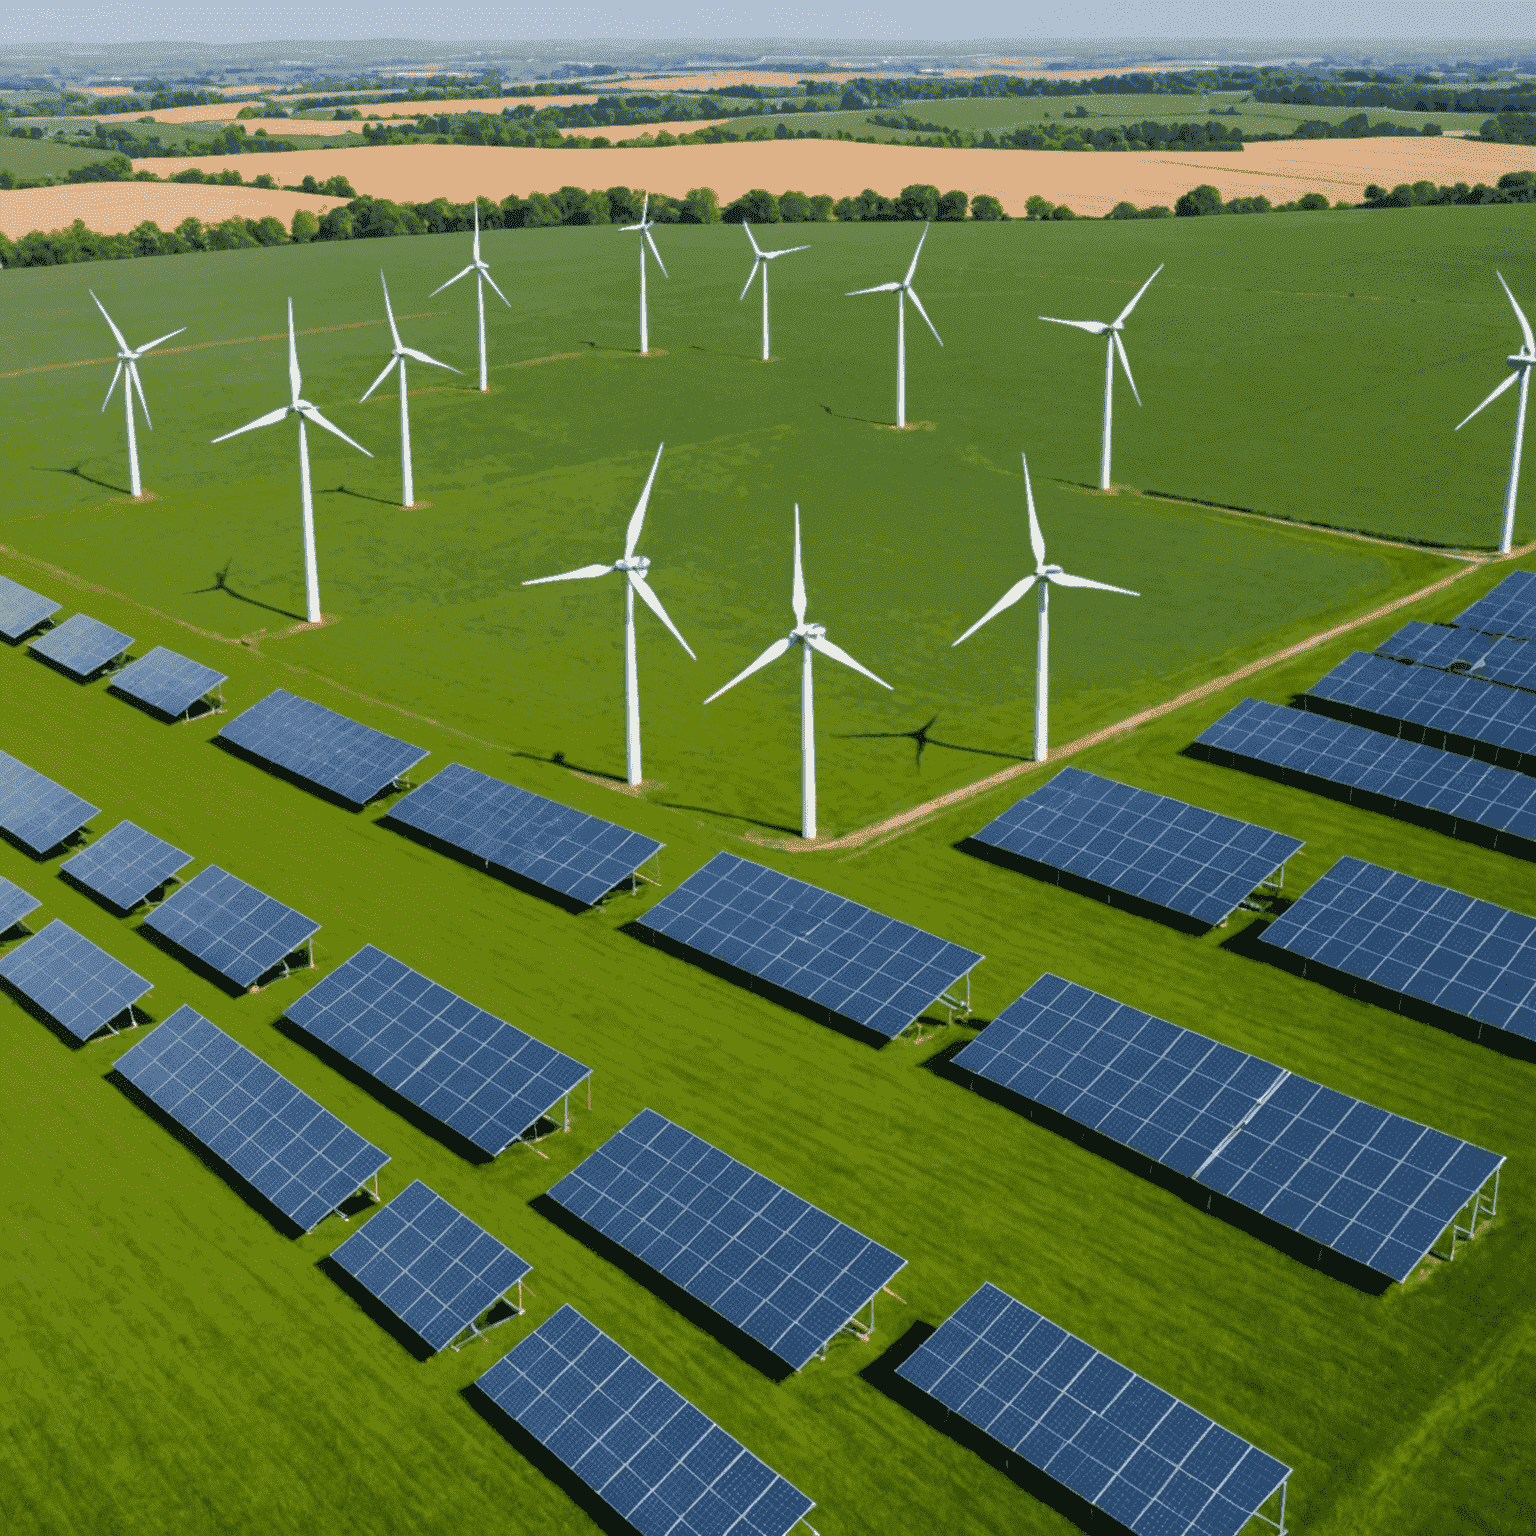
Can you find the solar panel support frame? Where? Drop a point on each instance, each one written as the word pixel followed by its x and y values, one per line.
pixel 856 1326
pixel 532 1142
pixel 213 709
pixel 308 947
pixel 1467 1233
pixel 473 1329
pixel 1277 1520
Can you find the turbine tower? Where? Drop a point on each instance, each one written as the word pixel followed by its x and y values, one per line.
pixel 761 258
pixel 1042 579
pixel 812 637
pixel 1522 362
pixel 903 291
pixel 300 407
pixel 633 567
pixel 1112 329
pixel 644 228
pixel 128 370
pixel 482 277
pixel 397 360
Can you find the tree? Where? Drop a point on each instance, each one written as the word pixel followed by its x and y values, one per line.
pixel 1036 207
pixel 335 225
pixel 1198 202
pixel 304 228
pixel 623 205
pixel 846 211
pixel 337 186
pixel 755 207
pixel 918 202
pixel 265 182
pixel 1122 211
pixel 821 208
pixel 795 208
pixel 953 207
pixel 1061 211
pixel 268 231
pixel 230 235
pixel 541 212
pixel 1312 200
pixel 986 208
pixel 190 232
pixel 701 206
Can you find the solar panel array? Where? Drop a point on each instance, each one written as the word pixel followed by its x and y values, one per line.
pixel 645 1450
pixel 34 810
pixel 1129 1448
pixel 1510 609
pixel 126 865
pixel 76 984
pixel 349 759
pixel 1174 855
pixel 581 856
pixel 430 1264
pixel 1320 747
pixel 1489 658
pixel 277 1138
pixel 15 905
pixel 1371 1185
pixel 22 609
pixel 230 925
pixel 167 681
pixel 82 645
pixel 487 1080
pixel 872 969
pixel 784 1272
pixel 1423 941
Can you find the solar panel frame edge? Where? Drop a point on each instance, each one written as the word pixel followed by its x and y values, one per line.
pixel 123 681
pixel 48 608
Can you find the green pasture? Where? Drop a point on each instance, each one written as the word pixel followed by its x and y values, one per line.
pixel 41 157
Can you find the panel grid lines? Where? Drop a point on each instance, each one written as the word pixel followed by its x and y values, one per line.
pixel 82 645
pixel 1509 609
pixel 15 905
pixel 126 865
pixel 22 609
pixel 1468 653
pixel 80 986
pixel 36 811
pixel 167 681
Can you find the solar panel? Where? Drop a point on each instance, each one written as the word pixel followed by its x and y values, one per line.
pixel 292 1150
pixel 1510 609
pixel 15 904
pixel 1374 768
pixel 1373 1186
pixel 315 743
pixel 485 1079
pixel 82 645
pixel 1173 855
pixel 1489 658
pixel 1158 1466
pixel 38 813
pixel 21 609
pixel 167 681
pixel 430 1265
pixel 872 969
pixel 231 926
pixel 642 1448
pixel 1419 940
pixel 784 1272
pixel 80 987
pixel 580 856
pixel 1441 709
pixel 126 865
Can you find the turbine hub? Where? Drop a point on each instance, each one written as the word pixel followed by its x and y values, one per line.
pixel 809 631
pixel 1049 571
pixel 637 563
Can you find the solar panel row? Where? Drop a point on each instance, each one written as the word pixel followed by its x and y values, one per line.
pixel 82 988
pixel 126 865
pixel 1510 609
pixel 168 682
pixel 21 609
pixel 38 813
pixel 81 645
pixel 15 905
pixel 1488 658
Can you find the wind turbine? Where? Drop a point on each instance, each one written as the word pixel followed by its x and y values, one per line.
pixel 397 360
pixel 903 291
pixel 761 258
pixel 812 637
pixel 1112 329
pixel 482 277
pixel 1042 578
pixel 300 407
pixel 634 568
pixel 128 370
pixel 1522 362
pixel 644 227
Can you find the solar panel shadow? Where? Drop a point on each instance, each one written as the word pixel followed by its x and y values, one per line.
pixel 81 646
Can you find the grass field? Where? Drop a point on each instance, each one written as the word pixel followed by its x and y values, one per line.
pixel 42 157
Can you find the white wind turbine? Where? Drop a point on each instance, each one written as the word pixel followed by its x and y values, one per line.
pixel 1112 329
pixel 761 258
pixel 812 637
pixel 634 568
pixel 903 291
pixel 1522 362
pixel 644 228
pixel 128 370
pixel 1042 579
pixel 397 360
pixel 300 407
pixel 482 277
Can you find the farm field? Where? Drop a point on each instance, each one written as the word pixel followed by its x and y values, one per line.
pixel 114 207
pixel 42 157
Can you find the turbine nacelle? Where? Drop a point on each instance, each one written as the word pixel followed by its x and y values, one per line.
pixel 640 564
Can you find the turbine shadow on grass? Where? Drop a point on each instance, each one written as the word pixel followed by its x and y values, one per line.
pixel 221 584
pixel 846 416
pixel 341 490
pixel 79 474
pixel 923 740
pixel 710 810
pixel 401 1332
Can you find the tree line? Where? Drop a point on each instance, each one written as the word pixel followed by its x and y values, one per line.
pixel 1406 98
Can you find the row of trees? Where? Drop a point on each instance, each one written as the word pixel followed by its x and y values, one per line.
pixel 1406 98
pixel 1513 187
pixel 1509 128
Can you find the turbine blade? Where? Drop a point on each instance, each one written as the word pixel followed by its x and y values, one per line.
pixel 311 414
pixel 394 330
pixel 645 205
pixel 116 376
pixel 912 294
pixel 637 517
pixel 797 598
pixel 912 270
pixel 389 368
pixel 789 250
pixel 477 231
pixel 122 345
pixel 133 378
pixel 1093 327
pixel 837 653
pixel 1036 538
pixel 149 346
pixel 1525 325
pixel 773 653
pixel 643 587
pixel 421 357
pixel 1508 383
pixel 586 573
pixel 1062 579
pixel 1125 363
pixel 654 252
pixel 294 379
pixel 1124 313
pixel 1007 600
pixel 751 237
pixel 494 289
pixel 755 265
pixel 883 288
pixel 452 280
pixel 261 421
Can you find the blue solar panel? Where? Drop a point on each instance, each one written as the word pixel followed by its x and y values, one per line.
pixel 429 1264
pixel 21 609
pixel 167 681
pixel 1373 1186
pixel 1423 941
pixel 79 986
pixel 1165 852
pixel 1510 609
pixel 277 1138
pixel 1158 1466
pixel 82 645
pixel 230 925
pixel 872 969
pixel 784 1272
pixel 351 760
pixel 490 1082
pixel 126 865
pixel 38 813
pixel 1489 658
pixel 581 856
pixel 1374 767
pixel 15 904
pixel 646 1451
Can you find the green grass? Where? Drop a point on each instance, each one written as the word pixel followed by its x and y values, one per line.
pixel 43 157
